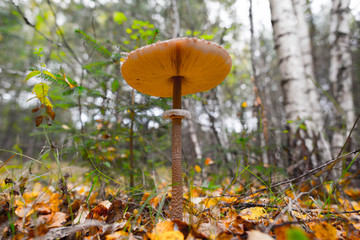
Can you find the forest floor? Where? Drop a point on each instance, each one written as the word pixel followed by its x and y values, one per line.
pixel 71 208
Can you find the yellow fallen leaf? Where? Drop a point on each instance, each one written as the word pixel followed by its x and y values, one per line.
pixel 162 227
pixel 197 168
pixel 117 235
pixel 170 235
pixel 253 213
pixel 324 231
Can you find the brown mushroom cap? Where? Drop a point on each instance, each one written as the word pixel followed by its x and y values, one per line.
pixel 201 64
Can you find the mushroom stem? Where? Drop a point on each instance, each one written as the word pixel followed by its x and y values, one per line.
pixel 176 204
pixel 177 92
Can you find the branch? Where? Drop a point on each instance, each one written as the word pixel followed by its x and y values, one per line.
pixel 26 20
pixel 62 34
pixel 312 171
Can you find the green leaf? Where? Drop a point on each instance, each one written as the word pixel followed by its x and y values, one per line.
pixel 94 44
pixel 119 17
pixel 107 164
pixel 295 234
pixel 133 36
pixel 49 74
pixel 32 74
pixel 115 85
pixel 207 37
pixel 128 31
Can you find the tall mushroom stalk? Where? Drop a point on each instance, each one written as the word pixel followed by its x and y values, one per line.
pixel 175 68
pixel 177 188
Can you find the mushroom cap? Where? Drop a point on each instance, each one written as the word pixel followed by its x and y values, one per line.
pixel 202 65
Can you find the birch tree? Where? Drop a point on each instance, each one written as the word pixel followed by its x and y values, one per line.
pixel 307 58
pixel 340 73
pixel 297 101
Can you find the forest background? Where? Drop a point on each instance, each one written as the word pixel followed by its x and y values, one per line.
pixel 287 106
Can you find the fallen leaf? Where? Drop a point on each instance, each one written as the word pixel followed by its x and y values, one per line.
pixel 57 219
pixel 117 235
pixel 257 235
pixel 324 231
pixel 116 211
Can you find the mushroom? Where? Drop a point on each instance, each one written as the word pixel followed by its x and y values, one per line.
pixel 175 68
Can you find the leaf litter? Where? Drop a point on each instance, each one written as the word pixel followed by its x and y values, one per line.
pixel 37 211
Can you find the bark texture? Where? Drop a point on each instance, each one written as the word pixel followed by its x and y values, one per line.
pixel 301 100
pixel 290 60
pixel 307 58
pixel 340 73
pixel 192 132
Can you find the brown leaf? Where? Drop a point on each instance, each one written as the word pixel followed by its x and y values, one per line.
pixel 98 212
pixel 116 211
pixel 38 120
pixel 351 232
pixel 75 206
pixel 35 109
pixel 8 180
pixel 56 220
pixel 224 236
pixel 185 229
pixel 4 210
pixel 42 208
pixel 50 112
pixel 40 230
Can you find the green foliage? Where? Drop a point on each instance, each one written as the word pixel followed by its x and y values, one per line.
pixel 94 44
pixel 119 17
pixel 32 74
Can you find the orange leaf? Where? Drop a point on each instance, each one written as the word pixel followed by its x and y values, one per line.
pixel 209 161
pixel 324 231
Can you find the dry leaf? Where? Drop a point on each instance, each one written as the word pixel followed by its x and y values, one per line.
pixel 257 235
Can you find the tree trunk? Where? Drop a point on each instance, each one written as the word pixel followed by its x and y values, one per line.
pixel 290 61
pixel 297 103
pixel 307 58
pixel 192 133
pixel 259 108
pixel 340 73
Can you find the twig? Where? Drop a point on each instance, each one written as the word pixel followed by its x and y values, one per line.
pixel 62 34
pixel 312 171
pixel 26 20
pixel 307 221
pixel 343 147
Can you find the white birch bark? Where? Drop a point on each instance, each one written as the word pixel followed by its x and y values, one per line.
pixel 296 102
pixel 192 132
pixel 340 72
pixel 176 19
pixel 300 101
pixel 307 58
pixel 223 133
